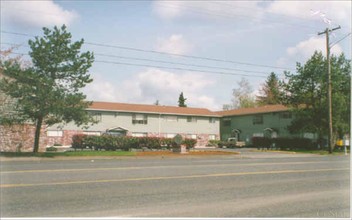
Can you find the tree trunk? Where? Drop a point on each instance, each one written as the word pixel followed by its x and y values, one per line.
pixel 37 134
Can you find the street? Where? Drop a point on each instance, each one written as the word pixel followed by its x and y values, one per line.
pixel 250 185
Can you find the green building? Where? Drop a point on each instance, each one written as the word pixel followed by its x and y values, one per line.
pixel 264 121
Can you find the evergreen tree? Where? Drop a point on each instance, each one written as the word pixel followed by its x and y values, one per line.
pixel 306 93
pixel 182 100
pixel 48 92
pixel 270 91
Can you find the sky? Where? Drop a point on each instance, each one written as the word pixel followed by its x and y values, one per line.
pixel 153 50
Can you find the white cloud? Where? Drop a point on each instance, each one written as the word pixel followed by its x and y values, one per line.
pixel 154 84
pixel 305 49
pixel 169 10
pixel 101 90
pixel 337 11
pixel 36 13
pixel 176 44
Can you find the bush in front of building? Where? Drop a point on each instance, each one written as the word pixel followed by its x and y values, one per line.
pixel 261 142
pixel 125 143
pixel 284 143
pixel 190 143
pixel 294 143
pixel 77 141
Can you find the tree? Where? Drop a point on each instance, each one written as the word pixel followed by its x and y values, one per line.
pixel 242 95
pixel 270 91
pixel 306 93
pixel 48 92
pixel 182 101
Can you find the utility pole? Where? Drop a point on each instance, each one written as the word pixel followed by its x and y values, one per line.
pixel 330 135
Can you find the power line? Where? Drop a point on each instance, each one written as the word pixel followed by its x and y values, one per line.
pixel 333 44
pixel 177 68
pixel 167 62
pixel 230 15
pixel 165 53
pixel 165 67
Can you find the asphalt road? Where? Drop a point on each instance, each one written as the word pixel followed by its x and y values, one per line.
pixel 250 185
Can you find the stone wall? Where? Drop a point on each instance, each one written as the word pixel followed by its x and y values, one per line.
pixel 19 138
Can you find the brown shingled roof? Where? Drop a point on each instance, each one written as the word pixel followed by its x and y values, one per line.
pixel 255 110
pixel 157 109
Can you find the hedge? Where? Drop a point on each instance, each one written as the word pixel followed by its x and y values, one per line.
pixel 284 143
pixel 113 143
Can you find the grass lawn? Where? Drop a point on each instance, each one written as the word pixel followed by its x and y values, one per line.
pixel 68 154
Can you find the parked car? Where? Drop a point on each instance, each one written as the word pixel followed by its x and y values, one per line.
pixel 231 143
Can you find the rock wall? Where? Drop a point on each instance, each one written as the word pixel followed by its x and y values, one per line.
pixel 17 138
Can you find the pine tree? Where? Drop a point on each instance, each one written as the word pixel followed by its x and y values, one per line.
pixel 182 100
pixel 48 91
pixel 270 91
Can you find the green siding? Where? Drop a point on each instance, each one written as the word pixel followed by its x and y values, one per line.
pixel 248 129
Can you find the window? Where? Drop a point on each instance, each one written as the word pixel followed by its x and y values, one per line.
pixel 258 135
pixel 170 135
pixel 96 116
pixel 191 119
pixel 285 115
pixel 139 119
pixel 227 122
pixel 56 133
pixel 139 134
pixel 212 120
pixel 192 136
pixel 212 137
pixel 258 119
pixel 96 133
pixel 170 118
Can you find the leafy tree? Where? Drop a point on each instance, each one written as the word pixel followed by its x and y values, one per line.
pixel 182 100
pixel 306 93
pixel 270 91
pixel 48 91
pixel 242 95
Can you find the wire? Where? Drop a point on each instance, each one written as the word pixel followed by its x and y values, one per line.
pixel 230 15
pixel 333 44
pixel 177 68
pixel 165 67
pixel 165 53
pixel 167 62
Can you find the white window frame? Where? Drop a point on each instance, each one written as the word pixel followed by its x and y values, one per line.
pixel 139 134
pixel 140 119
pixel 92 133
pixel 54 133
pixel 192 119
pixel 170 118
pixel 170 135
pixel 192 136
pixel 212 137
pixel 212 120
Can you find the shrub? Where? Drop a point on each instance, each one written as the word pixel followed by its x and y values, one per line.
pixel 190 143
pixel 166 143
pixel 214 143
pixel 261 142
pixel 51 149
pixel 283 143
pixel 77 141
